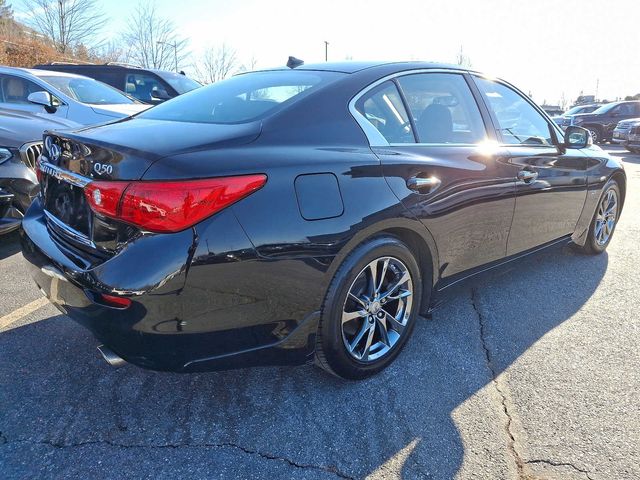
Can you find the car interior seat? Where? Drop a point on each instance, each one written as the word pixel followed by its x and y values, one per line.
pixel 15 91
pixel 435 124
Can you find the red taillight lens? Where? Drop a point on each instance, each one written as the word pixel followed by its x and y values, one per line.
pixel 169 206
pixel 104 197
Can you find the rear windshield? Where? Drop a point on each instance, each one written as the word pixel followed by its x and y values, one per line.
pixel 241 99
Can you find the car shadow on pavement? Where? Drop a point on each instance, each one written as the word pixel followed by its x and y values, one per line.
pixel 625 156
pixel 432 414
pixel 9 244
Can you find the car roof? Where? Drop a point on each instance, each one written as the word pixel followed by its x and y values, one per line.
pixel 99 66
pixel 357 66
pixel 38 72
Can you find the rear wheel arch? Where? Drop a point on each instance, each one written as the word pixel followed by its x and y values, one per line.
pixel 620 178
pixel 416 237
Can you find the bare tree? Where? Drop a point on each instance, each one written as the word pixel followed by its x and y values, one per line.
pixel 67 23
pixel 152 40
pixel 217 64
pixel 250 65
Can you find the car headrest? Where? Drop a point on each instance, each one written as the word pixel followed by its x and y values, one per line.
pixel 435 125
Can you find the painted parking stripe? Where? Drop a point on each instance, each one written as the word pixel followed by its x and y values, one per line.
pixel 22 312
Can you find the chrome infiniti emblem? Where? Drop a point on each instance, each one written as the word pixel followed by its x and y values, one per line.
pixel 53 150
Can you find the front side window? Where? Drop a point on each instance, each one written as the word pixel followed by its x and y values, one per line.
pixel 382 107
pixel 519 122
pixel 624 109
pixel 241 99
pixel 16 90
pixel 144 87
pixel 87 90
pixel 443 108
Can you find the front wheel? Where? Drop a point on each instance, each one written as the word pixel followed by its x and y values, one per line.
pixel 370 309
pixel 604 220
pixel 596 134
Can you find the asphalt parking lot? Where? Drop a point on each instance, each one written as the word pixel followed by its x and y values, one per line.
pixel 531 372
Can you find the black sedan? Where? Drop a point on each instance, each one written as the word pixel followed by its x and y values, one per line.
pixel 306 214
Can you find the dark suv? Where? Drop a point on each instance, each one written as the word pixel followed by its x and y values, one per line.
pixel 603 121
pixel 148 86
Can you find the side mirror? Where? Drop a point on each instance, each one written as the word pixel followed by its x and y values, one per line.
pixel 160 94
pixel 42 98
pixel 577 137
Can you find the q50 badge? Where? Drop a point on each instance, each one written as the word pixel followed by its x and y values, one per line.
pixel 103 168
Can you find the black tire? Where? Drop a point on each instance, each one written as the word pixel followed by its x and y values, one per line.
pixel 331 351
pixel 592 246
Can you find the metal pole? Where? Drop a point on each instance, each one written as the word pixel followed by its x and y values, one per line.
pixel 326 51
pixel 175 54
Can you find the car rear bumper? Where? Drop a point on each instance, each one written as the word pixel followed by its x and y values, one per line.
pixel 194 307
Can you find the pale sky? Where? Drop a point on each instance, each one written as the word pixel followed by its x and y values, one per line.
pixel 545 47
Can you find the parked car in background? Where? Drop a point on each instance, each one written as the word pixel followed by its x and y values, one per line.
pixel 147 85
pixel 621 132
pixel 564 120
pixel 633 141
pixel 602 121
pixel 283 216
pixel 20 146
pixel 63 95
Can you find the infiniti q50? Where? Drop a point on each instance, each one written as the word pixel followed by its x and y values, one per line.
pixel 305 214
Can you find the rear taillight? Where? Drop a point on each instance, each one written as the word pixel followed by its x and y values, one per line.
pixel 165 207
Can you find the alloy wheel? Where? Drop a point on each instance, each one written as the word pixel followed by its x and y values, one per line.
pixel 594 135
pixel 377 309
pixel 606 217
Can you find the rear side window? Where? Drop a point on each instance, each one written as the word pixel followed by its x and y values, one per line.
pixel 241 99
pixel 443 108
pixel 518 121
pixel 382 106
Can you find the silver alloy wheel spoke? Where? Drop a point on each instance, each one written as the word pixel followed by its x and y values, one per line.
pixel 394 322
pixel 363 330
pixel 405 277
pixel 384 333
pixel 606 217
pixel 377 308
pixel 348 316
pixel 367 345
pixel 385 265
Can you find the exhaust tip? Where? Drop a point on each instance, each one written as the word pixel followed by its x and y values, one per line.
pixel 110 357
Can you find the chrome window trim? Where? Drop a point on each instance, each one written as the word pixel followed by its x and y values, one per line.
pixel 61 174
pixel 375 138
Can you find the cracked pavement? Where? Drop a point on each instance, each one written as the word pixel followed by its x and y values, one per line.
pixel 530 372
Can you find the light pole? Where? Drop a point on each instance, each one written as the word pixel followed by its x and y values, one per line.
pixel 175 51
pixel 326 51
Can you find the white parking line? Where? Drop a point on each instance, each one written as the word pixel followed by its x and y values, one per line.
pixel 22 312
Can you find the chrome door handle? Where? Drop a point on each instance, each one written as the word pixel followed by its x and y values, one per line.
pixel 423 184
pixel 527 176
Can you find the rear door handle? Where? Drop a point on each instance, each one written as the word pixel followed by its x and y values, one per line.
pixel 527 176
pixel 423 185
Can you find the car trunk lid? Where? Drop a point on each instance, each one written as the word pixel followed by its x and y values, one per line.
pixel 119 151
